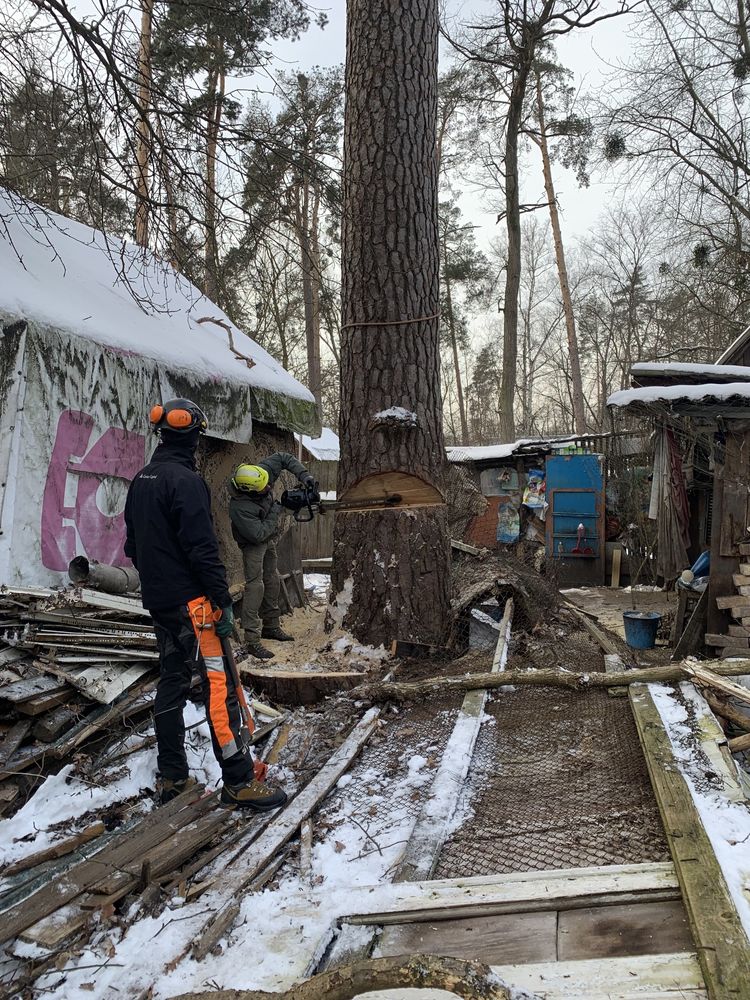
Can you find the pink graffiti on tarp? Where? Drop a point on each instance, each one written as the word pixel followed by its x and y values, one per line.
pixel 116 454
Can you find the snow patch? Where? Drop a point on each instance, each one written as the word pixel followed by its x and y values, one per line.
pixel 726 823
pixel 396 415
pixel 339 607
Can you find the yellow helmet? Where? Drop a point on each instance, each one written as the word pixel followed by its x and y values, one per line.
pixel 250 478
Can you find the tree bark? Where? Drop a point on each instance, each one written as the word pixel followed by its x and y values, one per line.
pixel 456 364
pixel 513 270
pixel 216 85
pixel 143 144
pixel 307 221
pixel 468 980
pixel 406 691
pixel 579 416
pixel 391 568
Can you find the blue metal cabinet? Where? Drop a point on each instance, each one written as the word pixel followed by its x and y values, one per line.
pixel 576 517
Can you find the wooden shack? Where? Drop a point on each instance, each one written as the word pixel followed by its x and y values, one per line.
pixel 702 413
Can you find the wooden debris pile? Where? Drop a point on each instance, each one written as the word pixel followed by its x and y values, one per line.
pixel 72 663
pixel 737 641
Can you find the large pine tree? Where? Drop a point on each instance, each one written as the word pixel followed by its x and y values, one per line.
pixel 391 568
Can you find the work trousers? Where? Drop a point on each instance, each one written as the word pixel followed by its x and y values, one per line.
pixel 260 605
pixel 187 642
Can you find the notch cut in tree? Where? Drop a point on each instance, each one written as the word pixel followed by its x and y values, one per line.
pixel 391 567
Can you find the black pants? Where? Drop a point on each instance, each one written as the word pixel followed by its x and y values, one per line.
pixel 182 648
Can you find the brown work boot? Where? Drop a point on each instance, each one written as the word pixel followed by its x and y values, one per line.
pixel 277 633
pixel 169 789
pixel 253 795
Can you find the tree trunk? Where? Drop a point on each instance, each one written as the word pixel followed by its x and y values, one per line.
pixel 216 85
pixel 513 270
pixel 143 144
pixel 306 217
pixel 456 364
pixel 391 568
pixel 579 416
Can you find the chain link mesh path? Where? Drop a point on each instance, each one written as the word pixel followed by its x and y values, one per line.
pixel 558 780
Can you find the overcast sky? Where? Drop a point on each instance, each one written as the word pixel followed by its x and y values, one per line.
pixel 586 53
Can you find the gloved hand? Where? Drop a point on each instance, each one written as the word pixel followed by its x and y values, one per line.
pixel 309 482
pixel 260 770
pixel 225 624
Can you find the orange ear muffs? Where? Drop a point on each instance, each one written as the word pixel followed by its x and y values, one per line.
pixel 179 419
pixel 156 414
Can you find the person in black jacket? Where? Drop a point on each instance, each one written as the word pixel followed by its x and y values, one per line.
pixel 172 543
pixel 255 523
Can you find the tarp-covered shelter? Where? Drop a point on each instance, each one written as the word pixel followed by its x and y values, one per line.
pixel 94 330
pixel 701 469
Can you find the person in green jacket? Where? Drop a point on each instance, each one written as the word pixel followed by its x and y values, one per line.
pixel 255 523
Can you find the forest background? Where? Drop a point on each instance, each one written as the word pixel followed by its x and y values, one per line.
pixel 593 165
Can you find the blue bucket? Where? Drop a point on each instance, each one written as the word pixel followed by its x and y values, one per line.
pixel 641 628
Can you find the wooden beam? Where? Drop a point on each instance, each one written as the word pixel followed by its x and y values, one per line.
pixel 616 565
pixel 723 947
pixel 712 679
pixel 675 976
pixel 284 826
pixel 740 743
pixel 521 892
pixel 405 691
pixel 57 850
pixel 691 639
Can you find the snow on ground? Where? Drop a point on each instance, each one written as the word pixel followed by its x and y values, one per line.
pixel 319 584
pixel 727 823
pixel 52 813
pixel 280 931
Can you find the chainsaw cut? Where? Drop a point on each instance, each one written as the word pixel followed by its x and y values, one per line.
pixel 305 502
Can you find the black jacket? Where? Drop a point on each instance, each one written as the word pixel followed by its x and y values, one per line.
pixel 170 533
pixel 255 516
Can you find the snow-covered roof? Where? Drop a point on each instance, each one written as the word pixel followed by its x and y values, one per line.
pixel 489 452
pixel 325 448
pixel 690 372
pixel 735 347
pixel 76 280
pixel 707 394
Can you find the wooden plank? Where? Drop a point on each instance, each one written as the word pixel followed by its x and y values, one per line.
pixel 744 549
pixel 30 687
pixel 45 702
pixel 151 830
pixel 733 652
pixel 13 739
pixel 733 601
pixel 713 680
pixel 11 655
pixel 727 640
pixel 512 937
pixel 741 631
pixel 471 550
pixel 433 823
pixel 512 893
pixel 740 580
pixel 261 852
pixel 739 744
pixel 51 725
pixel 616 564
pixel 106 682
pixel 112 602
pixel 604 642
pixel 646 977
pixel 651 928
pixel 722 944
pixel 691 639
pixel 56 850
